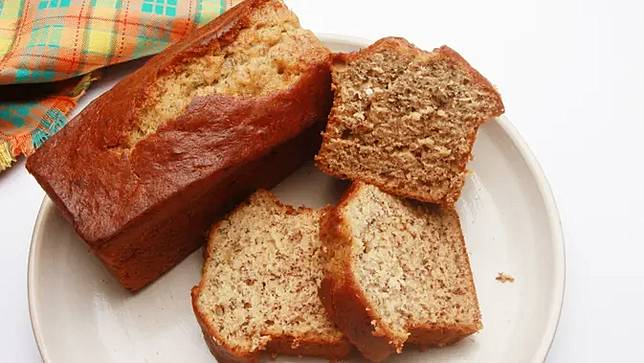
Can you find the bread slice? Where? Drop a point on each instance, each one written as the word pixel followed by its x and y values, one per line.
pixel 397 273
pixel 259 289
pixel 405 119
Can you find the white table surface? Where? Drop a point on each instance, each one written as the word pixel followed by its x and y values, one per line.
pixel 571 74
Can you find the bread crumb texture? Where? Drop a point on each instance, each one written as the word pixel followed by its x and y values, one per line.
pixel 262 275
pixel 405 119
pixel 268 55
pixel 410 260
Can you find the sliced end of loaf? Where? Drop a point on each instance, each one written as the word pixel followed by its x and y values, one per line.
pixel 405 119
pixel 408 263
pixel 259 288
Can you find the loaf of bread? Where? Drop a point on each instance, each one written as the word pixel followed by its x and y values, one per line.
pixel 259 289
pixel 143 170
pixel 398 273
pixel 405 119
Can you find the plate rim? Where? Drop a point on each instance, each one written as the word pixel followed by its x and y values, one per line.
pixel 556 233
pixel 543 186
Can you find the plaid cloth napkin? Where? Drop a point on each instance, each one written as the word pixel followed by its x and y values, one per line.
pixel 60 40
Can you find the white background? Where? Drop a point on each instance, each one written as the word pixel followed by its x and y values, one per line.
pixel 572 77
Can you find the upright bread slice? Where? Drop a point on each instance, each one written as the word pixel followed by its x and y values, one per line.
pixel 398 272
pixel 405 119
pixel 143 170
pixel 259 289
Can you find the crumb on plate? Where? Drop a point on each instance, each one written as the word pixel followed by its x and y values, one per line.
pixel 503 277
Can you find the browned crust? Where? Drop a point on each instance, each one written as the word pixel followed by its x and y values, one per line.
pixel 348 307
pixel 309 345
pixel 403 46
pixel 142 212
pixel 343 300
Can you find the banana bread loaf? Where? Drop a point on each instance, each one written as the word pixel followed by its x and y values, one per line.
pixel 143 170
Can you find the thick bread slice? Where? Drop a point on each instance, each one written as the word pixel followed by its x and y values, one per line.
pixel 397 273
pixel 144 169
pixel 405 119
pixel 259 288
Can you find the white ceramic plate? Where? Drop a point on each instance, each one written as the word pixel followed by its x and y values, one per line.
pixel 80 313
